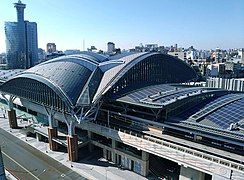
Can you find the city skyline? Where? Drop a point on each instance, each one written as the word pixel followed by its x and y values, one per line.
pixel 205 25
pixel 159 93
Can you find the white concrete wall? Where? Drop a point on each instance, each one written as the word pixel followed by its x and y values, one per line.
pixel 229 84
pixel 187 173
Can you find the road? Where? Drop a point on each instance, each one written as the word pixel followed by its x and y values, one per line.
pixel 27 163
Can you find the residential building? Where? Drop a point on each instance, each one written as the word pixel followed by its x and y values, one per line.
pixel 151 47
pixel 215 70
pixel 180 54
pixel 111 47
pixel 192 54
pixel 241 55
pixel 41 54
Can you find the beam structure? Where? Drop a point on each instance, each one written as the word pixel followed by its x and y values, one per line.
pixel 72 140
pixel 52 129
pixel 11 111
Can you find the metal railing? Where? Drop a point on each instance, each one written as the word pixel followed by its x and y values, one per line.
pixel 102 129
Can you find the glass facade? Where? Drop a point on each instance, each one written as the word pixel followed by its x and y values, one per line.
pixel 15 45
pixel 32 44
pixel 21 41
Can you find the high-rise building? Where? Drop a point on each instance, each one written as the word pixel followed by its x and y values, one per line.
pixel 241 55
pixel 51 48
pixel 21 41
pixel 151 47
pixel 111 47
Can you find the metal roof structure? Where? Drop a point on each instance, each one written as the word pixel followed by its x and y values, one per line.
pixel 8 74
pixel 76 84
pixel 192 107
pixel 159 96
pixel 80 80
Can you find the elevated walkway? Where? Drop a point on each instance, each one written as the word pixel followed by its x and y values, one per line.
pixel 61 139
pixel 182 155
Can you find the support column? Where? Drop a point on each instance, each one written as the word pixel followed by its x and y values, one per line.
pixel 113 152
pixel 52 129
pixel 72 147
pixel 38 137
pixel 72 140
pixel 11 112
pixel 145 163
pixel 52 133
pixel 90 145
pixel 105 153
pixel 187 173
pixel 12 119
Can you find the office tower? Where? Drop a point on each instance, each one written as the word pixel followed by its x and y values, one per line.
pixel 51 47
pixel 21 41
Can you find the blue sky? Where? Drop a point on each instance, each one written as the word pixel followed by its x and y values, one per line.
pixel 205 24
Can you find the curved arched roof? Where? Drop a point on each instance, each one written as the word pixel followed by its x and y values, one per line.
pixel 171 64
pixel 89 76
pixel 68 76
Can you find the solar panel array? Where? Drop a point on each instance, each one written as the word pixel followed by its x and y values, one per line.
pixel 188 112
pixel 222 98
pixel 176 94
pixel 199 109
pixel 149 91
pixel 216 104
pixel 160 94
pixel 231 113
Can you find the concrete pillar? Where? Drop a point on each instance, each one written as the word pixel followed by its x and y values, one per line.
pixel 52 122
pixel 187 173
pixel 52 130
pixel 145 163
pixel 12 119
pixel 105 153
pixel 90 145
pixel 113 152
pixel 72 140
pixel 38 137
pixel 52 133
pixel 72 148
